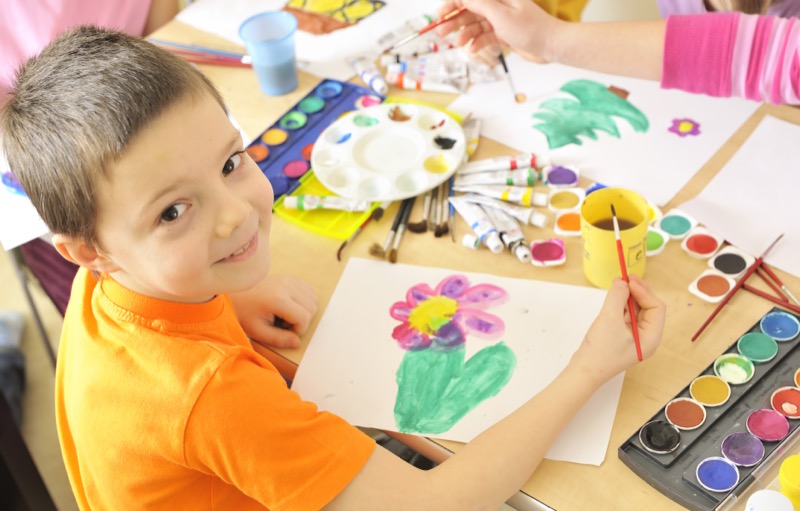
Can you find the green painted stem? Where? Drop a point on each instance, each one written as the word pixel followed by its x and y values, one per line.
pixel 435 389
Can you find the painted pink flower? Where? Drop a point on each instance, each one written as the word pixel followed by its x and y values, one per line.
pixel 684 127
pixel 441 318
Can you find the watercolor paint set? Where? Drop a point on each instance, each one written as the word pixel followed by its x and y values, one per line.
pixel 283 150
pixel 711 441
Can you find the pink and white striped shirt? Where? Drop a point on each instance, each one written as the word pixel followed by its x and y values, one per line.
pixel 734 54
pixel 26 27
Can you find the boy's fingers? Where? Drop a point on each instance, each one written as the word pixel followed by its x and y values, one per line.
pixel 275 337
pixel 617 296
pixel 642 293
pixel 652 309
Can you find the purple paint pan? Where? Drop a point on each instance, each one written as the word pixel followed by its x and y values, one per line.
pixel 743 449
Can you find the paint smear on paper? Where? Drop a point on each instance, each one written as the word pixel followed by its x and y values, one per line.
pixel 593 109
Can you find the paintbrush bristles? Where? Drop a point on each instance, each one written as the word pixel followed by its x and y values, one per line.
pixel 422 225
pixel 393 255
pixel 615 222
pixel 377 251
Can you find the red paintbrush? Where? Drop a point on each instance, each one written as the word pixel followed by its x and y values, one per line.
pixel 773 299
pixel 735 288
pixel 624 270
pixel 785 289
pixel 450 15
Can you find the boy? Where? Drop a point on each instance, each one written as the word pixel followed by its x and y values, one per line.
pixel 161 401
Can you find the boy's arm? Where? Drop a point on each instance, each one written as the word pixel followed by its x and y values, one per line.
pixel 497 463
pixel 277 311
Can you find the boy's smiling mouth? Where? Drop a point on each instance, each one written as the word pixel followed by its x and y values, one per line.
pixel 244 252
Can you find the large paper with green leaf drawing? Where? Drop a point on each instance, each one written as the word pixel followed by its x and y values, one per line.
pixel 447 354
pixel 617 130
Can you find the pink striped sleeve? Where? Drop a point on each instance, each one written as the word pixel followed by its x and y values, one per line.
pixel 733 54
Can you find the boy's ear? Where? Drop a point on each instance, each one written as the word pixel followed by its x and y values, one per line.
pixel 83 254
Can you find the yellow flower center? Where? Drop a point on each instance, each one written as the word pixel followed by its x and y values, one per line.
pixel 428 316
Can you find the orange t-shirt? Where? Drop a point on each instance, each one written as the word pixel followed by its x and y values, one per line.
pixel 164 405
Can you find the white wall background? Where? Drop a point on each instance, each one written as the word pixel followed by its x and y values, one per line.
pixel 610 10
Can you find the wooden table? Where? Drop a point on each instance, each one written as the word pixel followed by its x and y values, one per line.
pixel 647 387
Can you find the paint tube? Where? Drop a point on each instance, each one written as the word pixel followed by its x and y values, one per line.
pixel 517 161
pixel 406 82
pixel 519 177
pixel 410 26
pixel 440 67
pixel 510 232
pixel 370 75
pixel 524 215
pixel 480 224
pixel 472 134
pixel 310 202
pixel 522 195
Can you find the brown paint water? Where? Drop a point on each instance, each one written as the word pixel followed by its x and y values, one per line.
pixel 607 224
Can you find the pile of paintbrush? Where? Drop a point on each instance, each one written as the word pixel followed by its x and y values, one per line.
pixel 783 297
pixel 392 244
pixel 202 55
pixel 436 212
pixel 376 215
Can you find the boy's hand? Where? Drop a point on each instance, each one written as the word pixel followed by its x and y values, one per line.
pixel 277 311
pixel 608 347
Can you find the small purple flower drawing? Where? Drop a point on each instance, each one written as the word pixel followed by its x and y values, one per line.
pixel 441 318
pixel 436 385
pixel 685 127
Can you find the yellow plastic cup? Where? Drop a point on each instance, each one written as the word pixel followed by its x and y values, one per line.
pixel 789 477
pixel 600 259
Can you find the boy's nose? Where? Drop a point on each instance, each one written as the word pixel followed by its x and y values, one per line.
pixel 233 212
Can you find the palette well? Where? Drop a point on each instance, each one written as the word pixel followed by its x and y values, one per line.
pixel 676 223
pixel 750 416
pixel 711 286
pixel 731 261
pixel 283 151
pixel 388 152
pixel 701 243
pixel 548 252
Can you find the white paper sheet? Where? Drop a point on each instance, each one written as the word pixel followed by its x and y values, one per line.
pixel 326 55
pixel 753 199
pixel 350 365
pixel 19 221
pixel 657 163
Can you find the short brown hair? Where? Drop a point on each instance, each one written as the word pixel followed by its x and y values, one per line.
pixel 76 107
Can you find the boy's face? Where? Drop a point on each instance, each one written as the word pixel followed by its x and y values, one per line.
pixel 185 213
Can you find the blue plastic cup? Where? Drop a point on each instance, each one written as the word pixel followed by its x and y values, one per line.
pixel 269 39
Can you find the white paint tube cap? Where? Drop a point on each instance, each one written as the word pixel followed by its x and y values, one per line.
pixel 290 202
pixel 539 199
pixel 523 253
pixel 537 219
pixel 470 241
pixel 542 160
pixel 494 243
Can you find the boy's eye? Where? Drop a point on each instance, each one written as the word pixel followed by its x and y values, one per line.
pixel 173 212
pixel 232 163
